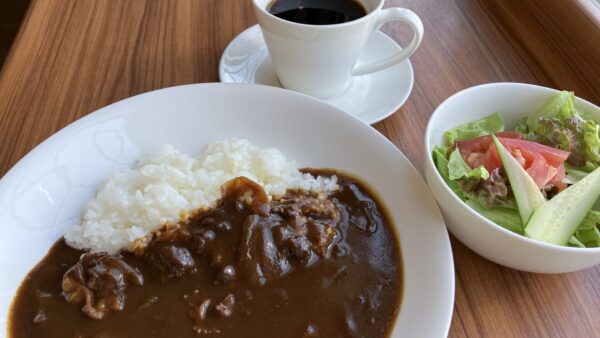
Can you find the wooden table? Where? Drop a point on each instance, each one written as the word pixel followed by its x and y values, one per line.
pixel 72 57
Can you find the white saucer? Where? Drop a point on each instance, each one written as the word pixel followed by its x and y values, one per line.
pixel 371 97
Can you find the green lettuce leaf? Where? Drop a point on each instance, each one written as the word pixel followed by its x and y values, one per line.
pixel 440 160
pixel 441 163
pixel 522 126
pixel 591 141
pixel 588 232
pixel 574 242
pixel 559 106
pixel 574 174
pixel 589 167
pixel 458 168
pixel 558 124
pixel 489 125
pixel 505 217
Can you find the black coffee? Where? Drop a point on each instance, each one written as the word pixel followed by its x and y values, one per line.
pixel 317 12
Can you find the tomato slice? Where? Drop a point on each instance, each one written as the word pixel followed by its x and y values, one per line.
pixel 559 179
pixel 489 159
pixel 544 164
pixel 540 171
pixel 480 150
pixel 482 143
pixel 555 157
pixel 516 153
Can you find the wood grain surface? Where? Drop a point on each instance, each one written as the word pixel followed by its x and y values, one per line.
pixel 72 57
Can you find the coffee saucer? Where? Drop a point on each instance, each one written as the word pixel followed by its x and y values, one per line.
pixel 371 97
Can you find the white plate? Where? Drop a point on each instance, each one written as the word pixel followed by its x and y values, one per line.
pixel 45 191
pixel 371 97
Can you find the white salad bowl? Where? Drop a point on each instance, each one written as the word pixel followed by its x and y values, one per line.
pixel 512 101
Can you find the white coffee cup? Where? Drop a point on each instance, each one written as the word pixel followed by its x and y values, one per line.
pixel 319 60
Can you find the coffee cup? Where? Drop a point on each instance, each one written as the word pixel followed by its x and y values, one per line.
pixel 319 59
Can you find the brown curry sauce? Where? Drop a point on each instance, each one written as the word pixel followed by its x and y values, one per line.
pixel 300 266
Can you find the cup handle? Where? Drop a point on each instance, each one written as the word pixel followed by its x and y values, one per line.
pixel 391 14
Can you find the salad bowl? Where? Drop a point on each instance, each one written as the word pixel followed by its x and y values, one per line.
pixel 513 102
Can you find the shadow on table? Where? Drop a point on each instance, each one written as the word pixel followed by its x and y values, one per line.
pixel 12 13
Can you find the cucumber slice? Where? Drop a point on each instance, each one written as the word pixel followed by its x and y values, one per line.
pixel 556 220
pixel 527 194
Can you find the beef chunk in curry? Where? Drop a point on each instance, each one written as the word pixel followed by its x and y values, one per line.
pixel 100 281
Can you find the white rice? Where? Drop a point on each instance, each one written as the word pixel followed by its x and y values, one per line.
pixel 168 184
